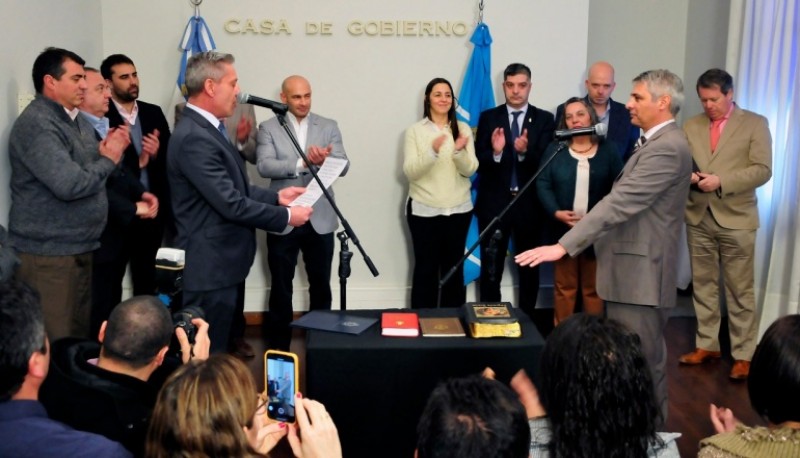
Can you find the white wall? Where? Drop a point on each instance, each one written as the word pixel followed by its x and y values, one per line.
pixel 371 85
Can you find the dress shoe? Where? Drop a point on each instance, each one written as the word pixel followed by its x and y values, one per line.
pixel 240 347
pixel 740 370
pixel 699 356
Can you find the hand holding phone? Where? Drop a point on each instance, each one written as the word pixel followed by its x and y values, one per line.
pixel 280 378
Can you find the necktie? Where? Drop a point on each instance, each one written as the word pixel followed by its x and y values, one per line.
pixel 641 141
pixel 514 135
pixel 223 130
pixel 716 132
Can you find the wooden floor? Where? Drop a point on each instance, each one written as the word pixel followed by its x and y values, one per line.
pixel 691 388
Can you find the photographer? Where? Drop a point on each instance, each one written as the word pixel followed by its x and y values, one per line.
pixel 110 387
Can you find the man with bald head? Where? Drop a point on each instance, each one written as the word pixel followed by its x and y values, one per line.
pixel 600 85
pixel 278 160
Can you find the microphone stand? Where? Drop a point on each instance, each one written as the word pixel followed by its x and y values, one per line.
pixel 495 221
pixel 345 255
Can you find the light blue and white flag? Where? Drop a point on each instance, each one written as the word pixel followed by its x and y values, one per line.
pixel 196 39
pixel 476 96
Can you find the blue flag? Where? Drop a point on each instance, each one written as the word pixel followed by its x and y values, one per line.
pixel 196 39
pixel 476 96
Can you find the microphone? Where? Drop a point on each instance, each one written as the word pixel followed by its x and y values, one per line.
pixel 277 107
pixel 599 129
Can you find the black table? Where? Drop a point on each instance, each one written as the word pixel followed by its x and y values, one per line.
pixel 375 387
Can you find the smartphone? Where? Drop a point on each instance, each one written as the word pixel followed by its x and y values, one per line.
pixel 280 379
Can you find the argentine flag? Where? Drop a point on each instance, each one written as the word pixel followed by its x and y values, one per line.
pixel 476 96
pixel 196 39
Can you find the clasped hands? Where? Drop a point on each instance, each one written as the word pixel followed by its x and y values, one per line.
pixel 460 143
pixel 317 154
pixel 707 182
pixel 499 142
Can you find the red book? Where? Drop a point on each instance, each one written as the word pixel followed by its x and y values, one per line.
pixel 399 324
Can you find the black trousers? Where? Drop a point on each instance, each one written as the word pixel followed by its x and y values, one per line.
pixel 438 245
pixel 219 306
pixel 144 240
pixel 282 253
pixel 526 236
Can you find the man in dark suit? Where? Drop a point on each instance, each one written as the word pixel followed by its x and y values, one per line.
pixel 510 142
pixel 635 229
pixel 216 210
pixel 146 159
pixel 600 85
pixel 127 202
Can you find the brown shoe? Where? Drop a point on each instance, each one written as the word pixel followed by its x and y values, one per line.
pixel 740 370
pixel 699 356
pixel 239 347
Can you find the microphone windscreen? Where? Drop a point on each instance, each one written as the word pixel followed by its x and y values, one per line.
pixel 601 129
pixel 242 97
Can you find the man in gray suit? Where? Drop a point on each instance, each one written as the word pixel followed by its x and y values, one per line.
pixel 636 227
pixel 278 160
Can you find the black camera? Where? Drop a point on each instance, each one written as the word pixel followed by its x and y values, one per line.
pixel 183 319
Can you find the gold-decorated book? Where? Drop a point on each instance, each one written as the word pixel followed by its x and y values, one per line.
pixel 441 327
pixel 491 319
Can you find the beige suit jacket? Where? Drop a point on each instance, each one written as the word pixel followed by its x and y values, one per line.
pixel 742 161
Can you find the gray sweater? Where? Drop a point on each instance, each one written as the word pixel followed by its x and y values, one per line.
pixel 58 196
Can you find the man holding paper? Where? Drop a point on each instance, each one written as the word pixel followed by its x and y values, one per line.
pixel 278 160
pixel 216 209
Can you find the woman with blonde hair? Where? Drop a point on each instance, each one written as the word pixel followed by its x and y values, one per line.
pixel 211 408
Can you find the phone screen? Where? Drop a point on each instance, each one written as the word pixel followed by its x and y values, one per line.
pixel 281 385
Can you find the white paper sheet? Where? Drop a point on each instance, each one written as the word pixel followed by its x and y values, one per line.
pixel 328 173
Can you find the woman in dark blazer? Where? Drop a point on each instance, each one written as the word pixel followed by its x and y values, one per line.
pixel 568 188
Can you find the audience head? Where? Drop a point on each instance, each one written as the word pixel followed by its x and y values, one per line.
pixel 23 345
pixel 137 332
pixel 774 380
pixel 437 93
pixel 715 78
pixel 578 113
pixel 597 389
pixel 98 94
pixel 517 85
pixel 296 93
pixel 212 83
pixel 473 417
pixel 58 75
pixel 600 82
pixel 715 90
pixel 202 410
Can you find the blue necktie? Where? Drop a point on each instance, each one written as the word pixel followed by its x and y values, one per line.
pixel 514 135
pixel 223 130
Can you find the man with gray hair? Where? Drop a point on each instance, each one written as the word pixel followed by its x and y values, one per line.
pixel 635 229
pixel 216 209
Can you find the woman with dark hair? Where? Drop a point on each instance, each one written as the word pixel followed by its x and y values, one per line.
pixel 439 159
pixel 774 389
pixel 597 392
pixel 210 408
pixel 568 188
